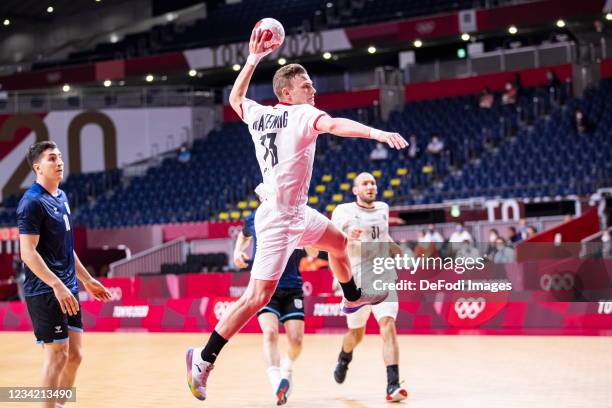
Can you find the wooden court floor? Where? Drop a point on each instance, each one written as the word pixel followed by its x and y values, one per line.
pixel 147 370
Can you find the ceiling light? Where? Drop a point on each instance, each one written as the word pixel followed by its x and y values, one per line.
pixel 465 37
pixel 560 23
pixel 282 61
pixel 327 55
pixel 418 43
pixel 66 88
pixel 50 9
pixel 149 78
pixel 193 72
pixel 371 49
pixel 512 30
pixel 236 67
pixel 107 83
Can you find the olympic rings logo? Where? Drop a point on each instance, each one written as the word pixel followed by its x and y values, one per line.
pixel 220 308
pixel 557 282
pixel 469 308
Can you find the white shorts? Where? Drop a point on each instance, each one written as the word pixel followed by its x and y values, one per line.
pixel 359 318
pixel 280 233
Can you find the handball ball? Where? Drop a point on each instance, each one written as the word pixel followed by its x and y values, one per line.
pixel 274 33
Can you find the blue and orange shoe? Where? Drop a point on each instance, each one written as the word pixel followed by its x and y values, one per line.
pixel 197 373
pixel 282 392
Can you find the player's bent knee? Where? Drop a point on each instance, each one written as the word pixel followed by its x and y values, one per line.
pixel 75 357
pixel 270 335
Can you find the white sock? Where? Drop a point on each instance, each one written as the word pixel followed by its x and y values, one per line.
pixel 274 377
pixel 286 367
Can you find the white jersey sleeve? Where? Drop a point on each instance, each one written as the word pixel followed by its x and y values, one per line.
pixel 312 116
pixel 250 110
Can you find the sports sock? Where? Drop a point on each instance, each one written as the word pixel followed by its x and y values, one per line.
pixel 213 347
pixel 274 377
pixel 286 367
pixel 392 376
pixel 345 357
pixel 350 290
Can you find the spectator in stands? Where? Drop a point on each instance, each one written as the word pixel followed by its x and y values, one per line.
pixel 486 99
pixel 467 251
pixel 380 152
pixel 426 249
pixel 531 231
pixel 460 234
pixel 184 155
pixel 504 253
pixel 406 248
pixel 413 147
pixel 509 95
pixel 513 236
pixel 435 146
pixel 522 228
pixel 490 251
pixel 606 245
pixel 554 85
pixel 582 123
pixel 432 235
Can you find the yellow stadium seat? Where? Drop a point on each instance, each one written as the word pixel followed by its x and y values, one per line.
pixel 427 169
pixel 235 215
pixel 395 182
pixel 337 198
pixel 330 207
pixel 242 205
pixel 326 178
pixel 376 173
pixel 345 186
pixel 351 175
pixel 402 171
pixel 388 193
pixel 313 200
pixel 253 203
pixel 246 213
pixel 320 188
pixel 223 216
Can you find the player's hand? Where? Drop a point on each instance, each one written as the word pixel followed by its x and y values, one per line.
pixel 66 299
pixel 355 234
pixel 97 290
pixel 394 140
pixel 240 259
pixel 257 44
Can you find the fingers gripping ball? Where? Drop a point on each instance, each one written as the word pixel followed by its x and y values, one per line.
pixel 274 33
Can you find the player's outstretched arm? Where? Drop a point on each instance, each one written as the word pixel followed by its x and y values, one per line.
pixel 257 51
pixel 349 128
pixel 240 256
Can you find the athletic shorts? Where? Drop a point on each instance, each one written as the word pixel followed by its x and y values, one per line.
pixel 286 304
pixel 359 318
pixel 50 324
pixel 280 233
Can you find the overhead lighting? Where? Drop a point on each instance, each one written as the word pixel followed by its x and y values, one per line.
pixel 560 23
pixel 609 16
pixel 465 37
pixel 461 53
pixel 193 72
pixel 97 1
pixel 50 9
pixel 236 67
pixel 121 83
pixel 327 55
pixel 512 30
pixel 114 38
pixel 7 22
pixel 149 78
pixel 418 43
pixel 107 83
pixel 282 61
pixel 66 88
pixel 372 49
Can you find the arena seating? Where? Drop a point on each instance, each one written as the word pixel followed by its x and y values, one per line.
pixel 533 151
pixel 233 23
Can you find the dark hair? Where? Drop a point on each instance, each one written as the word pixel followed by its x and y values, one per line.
pixel 37 149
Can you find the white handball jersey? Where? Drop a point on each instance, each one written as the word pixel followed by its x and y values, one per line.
pixel 285 140
pixel 373 221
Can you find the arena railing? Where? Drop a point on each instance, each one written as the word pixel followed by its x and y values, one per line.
pixel 150 260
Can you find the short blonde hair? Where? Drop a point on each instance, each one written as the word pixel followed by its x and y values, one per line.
pixel 284 75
